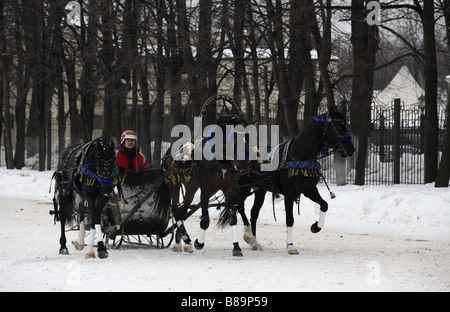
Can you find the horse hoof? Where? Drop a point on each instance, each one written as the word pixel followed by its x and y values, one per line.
pixel 237 253
pixel 292 250
pixel 102 254
pixel 176 248
pixel 90 255
pixel 63 251
pixel 256 247
pixel 188 248
pixel 248 238
pixel 198 246
pixel 315 228
pixel 248 235
pixel 101 251
pixel 78 246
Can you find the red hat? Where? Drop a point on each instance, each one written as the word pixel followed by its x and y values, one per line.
pixel 128 134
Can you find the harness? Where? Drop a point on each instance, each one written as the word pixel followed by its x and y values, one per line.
pixel 90 177
pixel 308 168
pixel 178 174
pixel 85 173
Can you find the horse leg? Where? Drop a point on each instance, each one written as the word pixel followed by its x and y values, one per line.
pixel 243 194
pixel 64 207
pixel 237 252
pixel 90 244
pixel 204 221
pixel 315 197
pixel 254 214
pixel 89 204
pixel 62 240
pixel 188 198
pixel 175 195
pixel 289 206
pixel 95 230
pixel 100 204
pixel 79 243
pixel 179 213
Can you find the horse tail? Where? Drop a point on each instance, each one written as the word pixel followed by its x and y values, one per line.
pixel 224 218
pixel 63 203
pixel 162 202
pixel 63 198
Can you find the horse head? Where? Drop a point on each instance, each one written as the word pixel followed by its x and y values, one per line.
pixel 105 164
pixel 337 135
pixel 240 158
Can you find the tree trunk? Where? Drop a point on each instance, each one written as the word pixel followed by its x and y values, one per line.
pixel 255 74
pixel 22 85
pixel 160 71
pixel 365 44
pixel 175 68
pixel 443 174
pixel 279 65
pixel 5 65
pixel 431 121
pixel 107 56
pixel 6 111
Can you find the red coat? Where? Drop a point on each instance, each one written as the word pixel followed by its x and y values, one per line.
pixel 123 159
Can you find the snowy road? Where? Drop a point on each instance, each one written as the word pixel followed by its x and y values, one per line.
pixel 333 260
pixel 392 238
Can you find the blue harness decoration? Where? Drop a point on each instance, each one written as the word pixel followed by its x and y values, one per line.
pixel 321 119
pixel 309 169
pixel 90 177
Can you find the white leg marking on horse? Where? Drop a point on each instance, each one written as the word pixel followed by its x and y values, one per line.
pixel 292 250
pixel 90 245
pixel 201 236
pixel 79 243
pixel 321 221
pixel 289 240
pixel 98 230
pixel 234 233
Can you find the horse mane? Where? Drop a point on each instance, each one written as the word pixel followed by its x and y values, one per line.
pixel 101 148
pixel 302 146
pixel 306 131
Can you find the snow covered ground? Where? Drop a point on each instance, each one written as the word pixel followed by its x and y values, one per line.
pixel 376 238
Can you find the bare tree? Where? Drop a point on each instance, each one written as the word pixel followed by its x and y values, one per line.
pixel 443 174
pixel 5 66
pixel 365 44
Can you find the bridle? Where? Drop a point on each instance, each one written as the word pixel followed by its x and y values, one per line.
pixel 341 138
pixel 105 169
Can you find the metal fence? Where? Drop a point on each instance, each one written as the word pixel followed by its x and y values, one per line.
pixel 395 152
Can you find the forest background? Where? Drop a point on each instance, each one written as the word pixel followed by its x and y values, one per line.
pixel 125 56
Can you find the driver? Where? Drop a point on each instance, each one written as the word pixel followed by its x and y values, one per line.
pixel 128 155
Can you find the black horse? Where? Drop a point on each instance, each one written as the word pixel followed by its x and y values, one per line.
pixel 85 179
pixel 210 176
pixel 298 172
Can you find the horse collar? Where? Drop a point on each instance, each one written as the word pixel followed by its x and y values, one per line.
pixel 285 154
